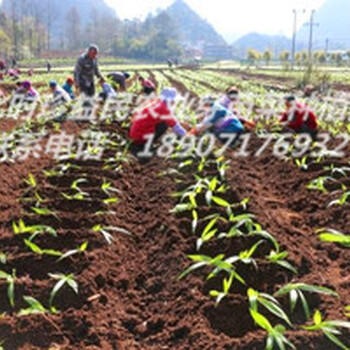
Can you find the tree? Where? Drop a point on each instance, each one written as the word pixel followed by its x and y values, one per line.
pixel 267 55
pixel 253 56
pixel 284 58
pixel 337 58
pixel 5 47
pixel 73 29
pixel 298 58
pixel 320 57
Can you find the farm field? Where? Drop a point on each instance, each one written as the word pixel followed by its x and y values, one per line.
pixel 197 251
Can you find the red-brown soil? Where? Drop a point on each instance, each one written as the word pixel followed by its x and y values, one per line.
pixel 129 297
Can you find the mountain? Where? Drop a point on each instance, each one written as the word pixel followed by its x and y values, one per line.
pixel 260 42
pixel 192 28
pixel 333 19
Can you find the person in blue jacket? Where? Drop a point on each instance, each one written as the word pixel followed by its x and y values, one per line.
pixel 68 87
pixel 219 121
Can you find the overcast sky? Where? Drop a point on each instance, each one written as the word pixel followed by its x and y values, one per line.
pixel 230 17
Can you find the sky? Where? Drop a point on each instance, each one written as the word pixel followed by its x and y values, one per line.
pixel 231 18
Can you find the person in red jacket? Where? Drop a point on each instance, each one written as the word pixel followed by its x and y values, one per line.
pixel 148 86
pixel 153 120
pixel 299 118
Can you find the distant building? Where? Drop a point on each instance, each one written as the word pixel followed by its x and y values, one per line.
pixel 218 51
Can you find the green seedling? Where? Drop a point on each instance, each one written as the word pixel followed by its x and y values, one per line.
pixel 333 236
pixel 51 173
pixel 3 258
pixel 75 185
pixel 296 291
pixel 275 335
pixel 213 186
pixel 246 222
pixel 70 253
pixel 111 200
pixel 181 208
pixel 44 212
pixel 10 280
pixel 302 164
pixel 226 286
pixel 347 311
pixel 208 233
pixel 108 189
pixel 222 166
pixel 104 230
pixel 200 261
pixel 80 196
pixel 279 258
pixel 30 181
pixel 194 220
pixel 342 200
pixel 343 171
pixel 223 203
pixel 37 250
pixel 329 328
pixel 319 184
pixel 37 199
pixel 35 307
pixel 268 302
pixel 246 257
pixel 22 228
pixel 61 281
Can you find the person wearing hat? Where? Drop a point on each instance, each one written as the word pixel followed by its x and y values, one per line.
pixel 155 118
pixel 29 92
pixel 107 90
pixel 298 117
pixel 230 100
pixel 119 79
pixel 85 70
pixel 148 86
pixel 68 87
pixel 218 120
pixel 60 96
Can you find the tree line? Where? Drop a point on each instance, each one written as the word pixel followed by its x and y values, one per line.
pixel 301 58
pixel 29 29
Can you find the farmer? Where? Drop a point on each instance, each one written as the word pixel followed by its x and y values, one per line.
pixel 13 74
pixel 48 66
pixel 2 65
pixel 68 87
pixel 218 120
pixel 107 90
pixel 26 89
pixel 299 118
pixel 148 86
pixel 170 63
pixel 155 118
pixel 119 79
pixel 60 96
pixel 230 100
pixel 85 70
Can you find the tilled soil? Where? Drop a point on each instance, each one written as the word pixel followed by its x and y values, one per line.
pixel 129 297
